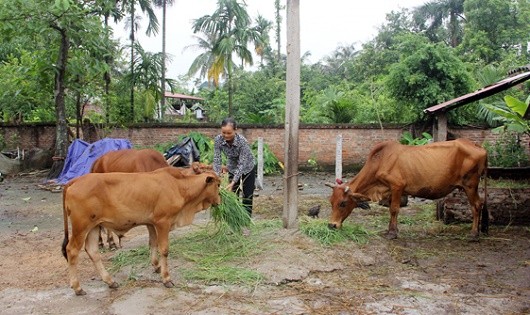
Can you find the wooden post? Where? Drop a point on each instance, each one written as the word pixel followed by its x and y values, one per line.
pixel 260 163
pixel 292 113
pixel 440 133
pixel 338 158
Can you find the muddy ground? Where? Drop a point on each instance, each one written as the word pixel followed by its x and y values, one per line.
pixel 430 269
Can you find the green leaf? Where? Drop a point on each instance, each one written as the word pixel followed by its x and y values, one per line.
pixel 516 105
pixel 63 5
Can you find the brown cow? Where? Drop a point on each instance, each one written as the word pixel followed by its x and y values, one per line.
pixel 129 161
pixel 135 161
pixel 431 171
pixel 160 200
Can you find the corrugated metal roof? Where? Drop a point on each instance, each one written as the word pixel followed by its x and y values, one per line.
pixel 479 94
pixel 183 96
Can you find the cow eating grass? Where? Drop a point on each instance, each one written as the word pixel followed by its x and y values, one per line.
pixel 160 200
pixel 135 161
pixel 431 171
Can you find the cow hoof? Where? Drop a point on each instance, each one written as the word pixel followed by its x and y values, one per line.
pixel 157 269
pixel 80 292
pixel 169 284
pixel 473 238
pixel 114 285
pixel 391 235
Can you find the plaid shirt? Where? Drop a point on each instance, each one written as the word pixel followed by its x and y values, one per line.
pixel 240 160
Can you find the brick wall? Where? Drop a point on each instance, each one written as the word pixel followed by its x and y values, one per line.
pixel 315 142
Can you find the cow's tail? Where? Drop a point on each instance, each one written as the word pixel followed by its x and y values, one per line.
pixel 485 216
pixel 65 218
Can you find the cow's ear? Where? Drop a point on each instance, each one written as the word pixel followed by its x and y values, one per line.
pixel 358 198
pixel 209 179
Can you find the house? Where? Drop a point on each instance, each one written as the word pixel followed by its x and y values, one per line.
pixel 180 104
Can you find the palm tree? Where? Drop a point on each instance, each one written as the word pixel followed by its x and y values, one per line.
pixel 436 13
pixel 262 44
pixel 278 18
pixel 336 64
pixel 229 25
pixel 147 69
pixel 163 4
pixel 204 62
pixel 133 25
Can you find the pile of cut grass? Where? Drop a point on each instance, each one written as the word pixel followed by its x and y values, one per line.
pixel 216 258
pixel 318 230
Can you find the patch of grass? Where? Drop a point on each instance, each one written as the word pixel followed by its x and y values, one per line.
pixel 223 275
pixel 318 229
pixel 217 257
pixel 507 183
pixel 134 257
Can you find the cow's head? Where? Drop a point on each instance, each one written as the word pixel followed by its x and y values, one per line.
pixel 343 200
pixel 211 190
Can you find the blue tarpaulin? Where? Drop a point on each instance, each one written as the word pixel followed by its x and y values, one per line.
pixel 81 155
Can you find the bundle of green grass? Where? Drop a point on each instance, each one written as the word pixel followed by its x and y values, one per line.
pixel 318 230
pixel 230 215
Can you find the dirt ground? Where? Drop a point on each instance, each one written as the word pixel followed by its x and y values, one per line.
pixel 434 270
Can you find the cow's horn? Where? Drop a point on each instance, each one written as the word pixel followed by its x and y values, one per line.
pixel 347 189
pixel 330 185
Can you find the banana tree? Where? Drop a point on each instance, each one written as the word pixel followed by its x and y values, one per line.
pixel 512 117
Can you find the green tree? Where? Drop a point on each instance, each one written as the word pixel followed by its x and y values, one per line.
pixel 260 97
pixel 262 44
pixel 428 76
pixel 229 25
pixel 204 62
pixel 65 26
pixel 442 20
pixel 146 73
pixel 133 25
pixel 495 29
pixel 278 20
pixel 163 4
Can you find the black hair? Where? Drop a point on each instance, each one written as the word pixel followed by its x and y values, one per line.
pixel 229 121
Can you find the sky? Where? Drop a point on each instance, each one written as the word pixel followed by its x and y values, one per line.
pixel 324 25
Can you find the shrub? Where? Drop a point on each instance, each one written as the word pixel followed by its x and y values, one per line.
pixel 408 139
pixel 506 151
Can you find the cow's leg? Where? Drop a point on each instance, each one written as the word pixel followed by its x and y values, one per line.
pixel 162 234
pixel 476 206
pixel 91 247
pixel 111 241
pixel 395 201
pixel 100 239
pixel 72 251
pixel 153 248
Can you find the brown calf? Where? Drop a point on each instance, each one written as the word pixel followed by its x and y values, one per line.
pixel 160 200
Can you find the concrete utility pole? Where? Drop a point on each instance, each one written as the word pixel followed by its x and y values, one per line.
pixel 338 158
pixel 259 184
pixel 292 116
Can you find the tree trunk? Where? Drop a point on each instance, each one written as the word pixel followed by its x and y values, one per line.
pixel 106 76
pixel 163 79
pixel 61 139
pixel 132 61
pixel 278 30
pixel 230 88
